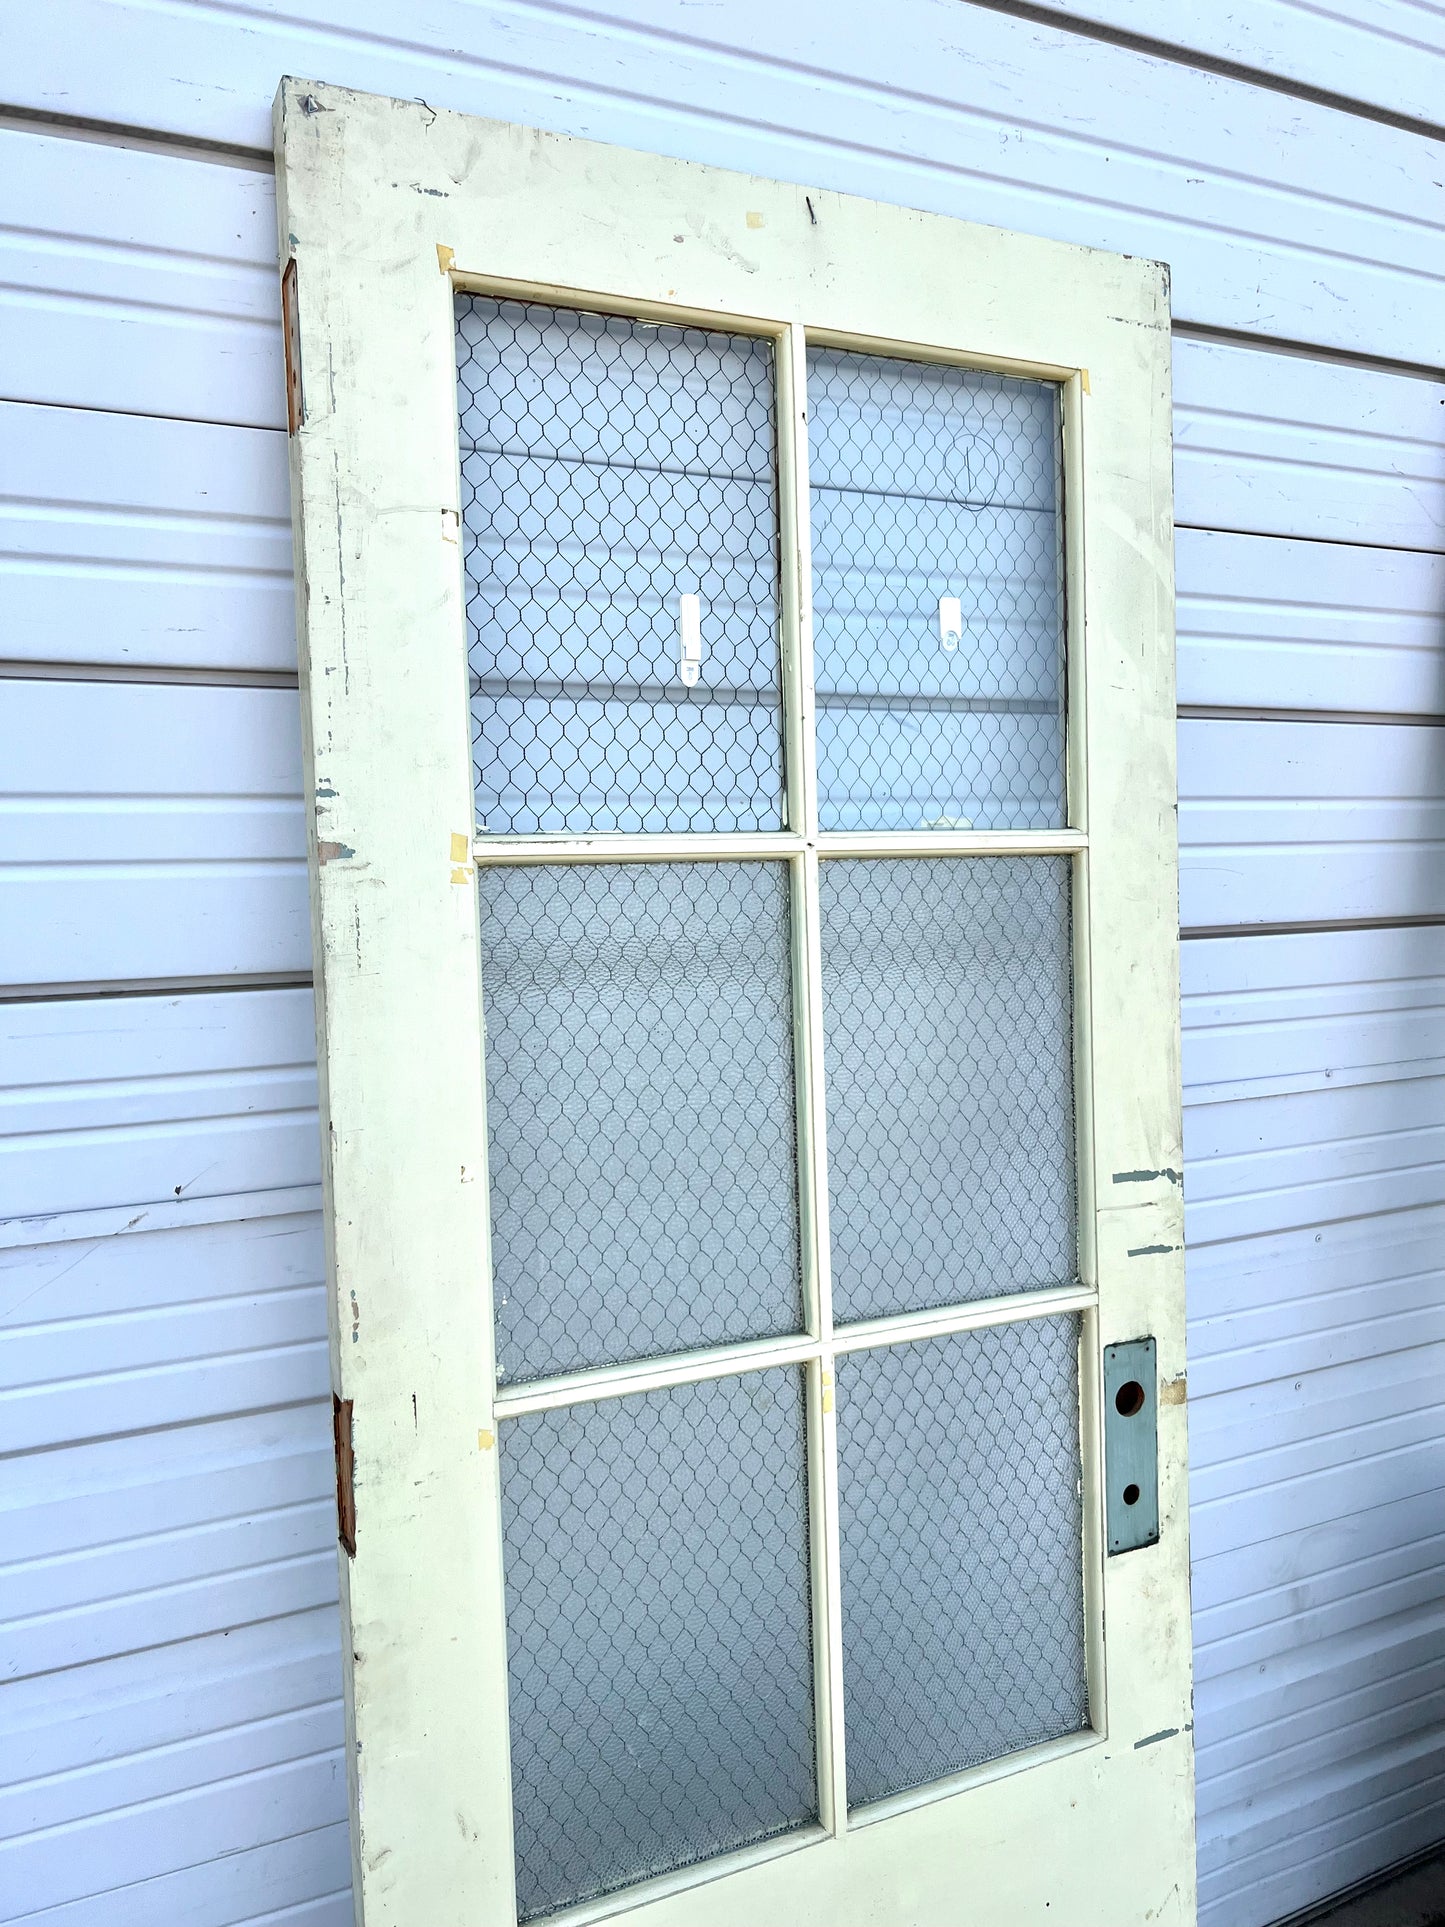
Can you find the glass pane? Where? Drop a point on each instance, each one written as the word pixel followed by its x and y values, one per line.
pixel 611 471
pixel 948 1049
pixel 962 1552
pixel 938 596
pixel 641 1117
pixel 659 1643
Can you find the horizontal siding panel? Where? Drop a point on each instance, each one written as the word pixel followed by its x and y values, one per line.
pixel 1305 822
pixel 125 540
pixel 138 1101
pixel 170 1735
pixel 165 839
pixel 287 1882
pixel 1272 1163
pixel 112 1335
pixel 1290 1851
pixel 1277 1015
pixel 1308 1584
pixel 1278 217
pixel 1283 444
pixel 201 1829
pixel 1309 625
pixel 1313 1107
pixel 128 1720
pixel 137 282
pixel 1270 1307
pixel 1381 53
pixel 116 1544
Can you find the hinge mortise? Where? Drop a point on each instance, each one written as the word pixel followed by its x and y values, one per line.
pixel 345 1473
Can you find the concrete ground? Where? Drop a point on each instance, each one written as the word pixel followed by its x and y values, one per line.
pixel 1415 1899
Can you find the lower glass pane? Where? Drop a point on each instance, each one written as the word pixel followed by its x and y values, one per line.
pixel 658 1627
pixel 948 1053
pixel 961 1529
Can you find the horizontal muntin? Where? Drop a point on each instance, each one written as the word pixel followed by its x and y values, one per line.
pixel 582 689
pixel 762 1354
pixel 1013 1308
pixel 681 847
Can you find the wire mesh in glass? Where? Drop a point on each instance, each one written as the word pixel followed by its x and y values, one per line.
pixel 620 536
pixel 938 596
pixel 659 1645
pixel 641 1110
pixel 961 1531
pixel 948 1047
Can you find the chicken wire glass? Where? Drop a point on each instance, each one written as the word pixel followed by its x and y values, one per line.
pixel 610 468
pixel 948 1063
pixel 641 1110
pixel 937 596
pixel 961 1529
pixel 660 1663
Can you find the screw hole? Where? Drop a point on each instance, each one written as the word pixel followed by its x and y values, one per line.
pixel 1131 1495
pixel 1129 1399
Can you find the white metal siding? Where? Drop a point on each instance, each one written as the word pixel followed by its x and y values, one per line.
pixel 169 1746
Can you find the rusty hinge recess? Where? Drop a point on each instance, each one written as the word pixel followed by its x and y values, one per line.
pixel 345 1473
pixel 291 333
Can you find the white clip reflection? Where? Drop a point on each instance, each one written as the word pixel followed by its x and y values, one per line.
pixel 689 619
pixel 950 621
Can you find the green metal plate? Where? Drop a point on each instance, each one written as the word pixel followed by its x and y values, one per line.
pixel 1131 1445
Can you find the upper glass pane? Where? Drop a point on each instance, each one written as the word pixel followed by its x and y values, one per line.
pixel 640 1110
pixel 620 519
pixel 938 596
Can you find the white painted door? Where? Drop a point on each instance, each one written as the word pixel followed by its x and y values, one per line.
pixel 737 626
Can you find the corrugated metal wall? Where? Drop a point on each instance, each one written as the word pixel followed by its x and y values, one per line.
pixel 171 1739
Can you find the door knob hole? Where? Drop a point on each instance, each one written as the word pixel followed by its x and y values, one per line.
pixel 1129 1399
pixel 1131 1495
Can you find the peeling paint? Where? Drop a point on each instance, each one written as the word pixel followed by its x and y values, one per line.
pixel 1153 1739
pixel 1148 1177
pixel 328 852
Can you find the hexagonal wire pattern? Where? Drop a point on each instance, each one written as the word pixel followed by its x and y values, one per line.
pixel 610 468
pixel 961 1526
pixel 641 1110
pixel 937 595
pixel 948 1062
pixel 658 1632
